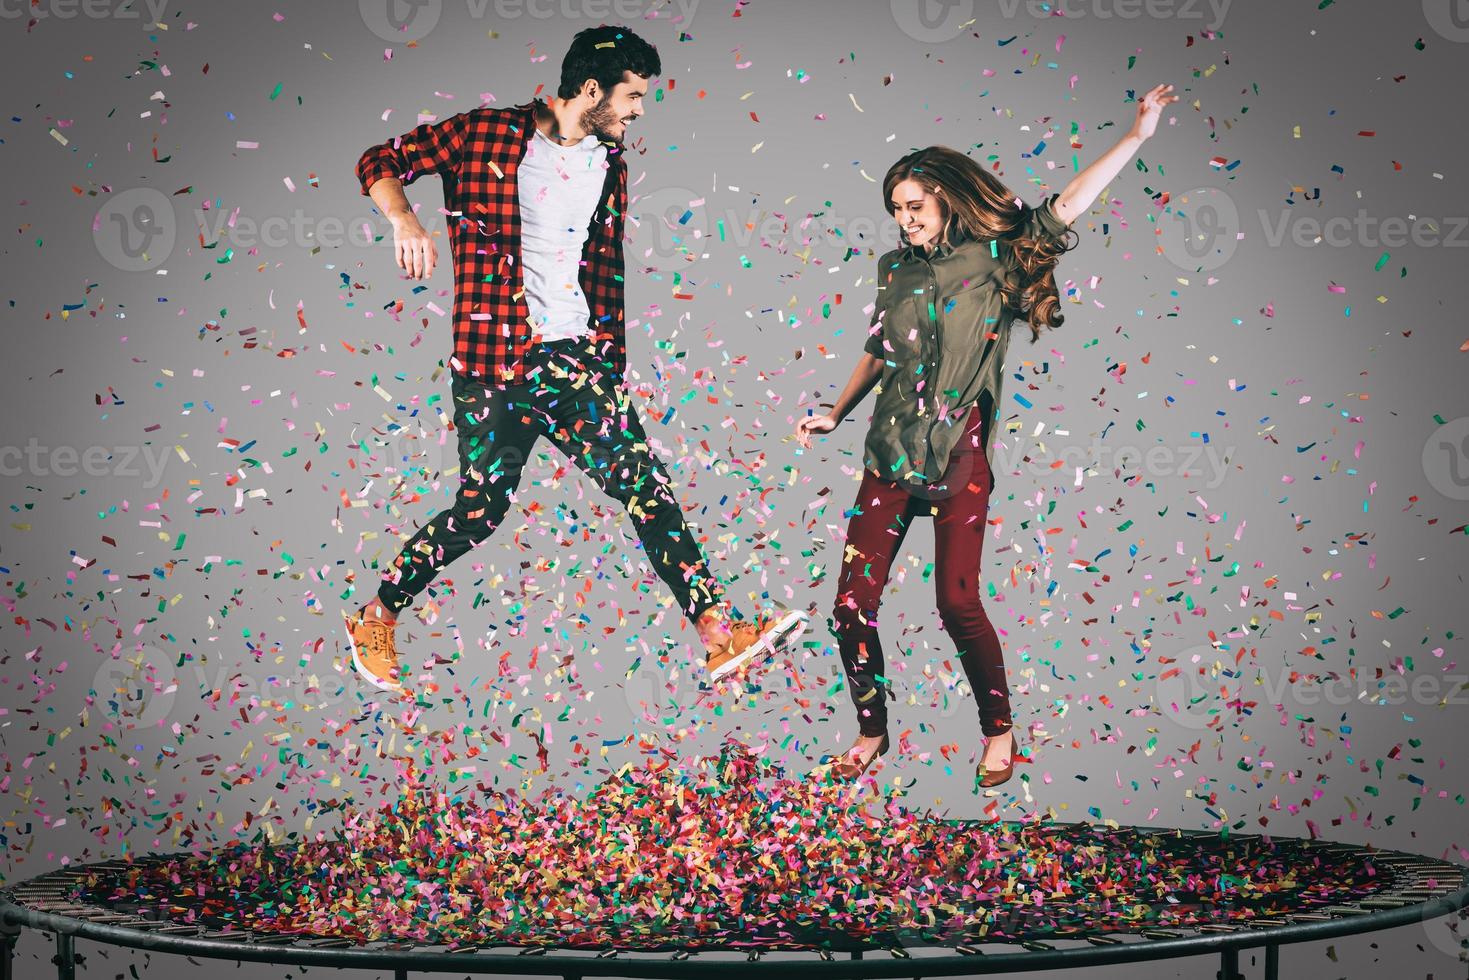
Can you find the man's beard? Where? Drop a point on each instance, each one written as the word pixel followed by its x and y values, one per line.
pixel 600 119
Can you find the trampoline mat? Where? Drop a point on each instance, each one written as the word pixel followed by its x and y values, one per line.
pixel 725 853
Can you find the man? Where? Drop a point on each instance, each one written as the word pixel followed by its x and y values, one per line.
pixel 536 196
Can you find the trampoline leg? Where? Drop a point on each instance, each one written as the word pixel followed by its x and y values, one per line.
pixel 400 973
pixel 1272 962
pixel 1229 964
pixel 7 954
pixel 66 964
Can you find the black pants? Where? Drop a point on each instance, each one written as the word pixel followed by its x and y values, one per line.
pixel 569 396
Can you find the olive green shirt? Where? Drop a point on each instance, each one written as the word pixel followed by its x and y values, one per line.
pixel 941 327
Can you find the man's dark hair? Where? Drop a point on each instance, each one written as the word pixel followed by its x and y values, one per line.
pixel 605 53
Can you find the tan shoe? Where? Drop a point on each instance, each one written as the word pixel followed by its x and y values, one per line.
pixel 735 644
pixel 852 765
pixel 373 652
pixel 993 777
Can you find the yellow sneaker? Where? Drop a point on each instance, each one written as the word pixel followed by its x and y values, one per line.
pixel 373 652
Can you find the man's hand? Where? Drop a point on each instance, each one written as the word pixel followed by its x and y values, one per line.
pixel 413 248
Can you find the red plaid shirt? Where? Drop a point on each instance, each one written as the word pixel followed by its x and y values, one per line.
pixel 478 153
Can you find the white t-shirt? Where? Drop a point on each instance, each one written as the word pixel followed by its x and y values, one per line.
pixel 559 187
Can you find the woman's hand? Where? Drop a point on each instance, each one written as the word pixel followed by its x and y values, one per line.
pixel 811 424
pixel 1149 107
pixel 413 248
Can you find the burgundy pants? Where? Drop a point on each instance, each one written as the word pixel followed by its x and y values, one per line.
pixel 880 518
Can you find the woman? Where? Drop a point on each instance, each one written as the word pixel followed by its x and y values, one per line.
pixel 973 259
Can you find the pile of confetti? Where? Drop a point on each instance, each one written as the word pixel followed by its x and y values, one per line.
pixel 721 852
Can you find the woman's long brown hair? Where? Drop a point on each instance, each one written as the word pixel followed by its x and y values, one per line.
pixel 976 204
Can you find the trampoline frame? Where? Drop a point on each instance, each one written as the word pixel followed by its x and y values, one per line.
pixel 1409 900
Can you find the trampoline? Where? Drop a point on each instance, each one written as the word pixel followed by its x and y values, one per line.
pixel 721 868
pixel 1336 890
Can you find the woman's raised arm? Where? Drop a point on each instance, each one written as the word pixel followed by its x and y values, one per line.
pixel 1087 185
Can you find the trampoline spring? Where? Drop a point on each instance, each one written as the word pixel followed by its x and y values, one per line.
pixel 228 936
pixel 825 954
pixel 899 953
pixel 606 954
pixel 1104 940
pixel 680 955
pixel 276 939
pixel 1265 922
pixel 178 930
pixel 963 950
pixel 1310 917
pixel 464 948
pixel 533 951
pixel 1383 903
pixel 1217 927
pixel 327 942
pixel 1035 945
pixel 1158 934
pixel 753 956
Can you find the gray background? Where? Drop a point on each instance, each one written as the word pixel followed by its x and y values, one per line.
pixel 1155 691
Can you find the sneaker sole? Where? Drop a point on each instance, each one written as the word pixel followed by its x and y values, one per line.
pixel 371 678
pixel 779 634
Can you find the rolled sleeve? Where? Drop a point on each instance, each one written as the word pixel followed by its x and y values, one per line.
pixel 1044 221
pixel 435 147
